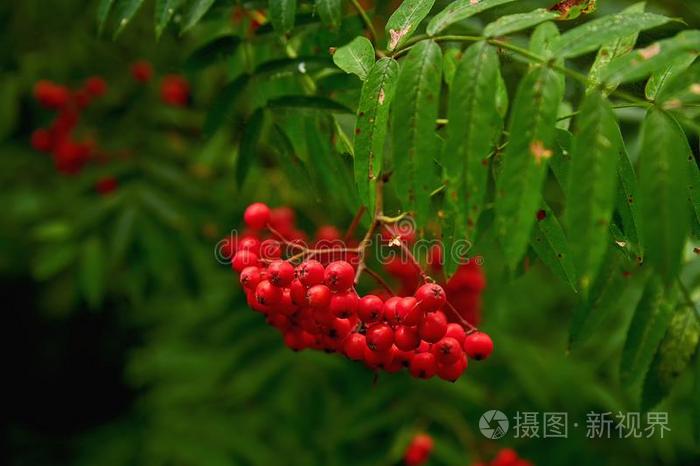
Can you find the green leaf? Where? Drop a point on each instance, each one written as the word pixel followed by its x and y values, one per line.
pixel 371 126
pixel 214 51
pixel 125 11
pixel 646 330
pixel 294 167
pixel 195 13
pixel 404 21
pixel 627 204
pixel 532 131
pixel 673 356
pixel 451 58
pixel 642 62
pixel 694 186
pixel 356 57
pixel 472 132
pixel 415 113
pixel 660 79
pixel 92 271
pixel 330 12
pixel 517 22
pixel 123 234
pixel 615 48
pixel 572 9
pixel 550 244
pixel 103 9
pixel 164 11
pixel 592 34
pixel 662 196
pixel 222 108
pixel 247 149
pixel 590 196
pixel 682 88
pixel 460 10
pixel 312 102
pixel 696 400
pixel 282 15
pixel 52 259
pixel 543 37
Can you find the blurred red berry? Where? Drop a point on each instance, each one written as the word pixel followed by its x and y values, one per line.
pixel 175 90
pixel 106 185
pixel 142 71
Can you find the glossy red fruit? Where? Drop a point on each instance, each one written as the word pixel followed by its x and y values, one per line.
pixel 339 329
pixel 267 294
pixel 505 457
pixel 250 277
pixel 282 220
pixel 406 338
pixel 355 346
pixel 280 273
pixel 339 275
pixel 51 95
pixel 175 90
pixel 447 350
pixel 249 243
pixel 418 451
pixel 478 345
pixel 318 296
pixel 423 365
pixel 142 71
pixel 380 337
pixel 370 308
pixel 431 297
pixel 41 140
pixel 390 313
pixel 270 249
pixel 243 259
pixel 378 359
pixel 96 86
pixel 298 292
pixel 408 311
pixel 455 331
pixel 433 327
pixel 257 215
pixel 344 304
pixel 452 372
pixel 310 272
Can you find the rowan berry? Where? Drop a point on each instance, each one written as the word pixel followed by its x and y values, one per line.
pixel 243 259
pixel 408 311
pixel 250 277
pixel 380 337
pixel 270 249
pixel 418 451
pixel 406 338
pixel 280 273
pixel 339 275
pixel 455 331
pixel 257 215
pixel 41 140
pixel 268 294
pixel 51 95
pixel 370 308
pixel 378 359
pixel 318 296
pixel 478 345
pixel 310 272
pixel 298 292
pixel 447 350
pixel 355 346
pixel 344 304
pixel 433 327
pixel 389 310
pixel 451 372
pixel 141 71
pixel 175 90
pixel 339 329
pixel 423 365
pixel 106 185
pixel 431 297
pixel 249 243
pixel 95 86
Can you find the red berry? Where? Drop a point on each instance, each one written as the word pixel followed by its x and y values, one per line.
pixel 505 457
pixel 298 292
pixel 380 337
pixel 418 451
pixel 431 297
pixel 339 275
pixel 51 95
pixel 41 140
pixel 106 185
pixel 310 272
pixel 339 329
pixel 142 71
pixel 282 220
pixel 249 243
pixel 318 296
pixel 451 372
pixel 244 259
pixel 447 350
pixel 175 90
pixel 433 327
pixel 455 331
pixel 257 215
pixel 250 277
pixel 478 345
pixel 280 273
pixel 423 365
pixel 267 294
pixel 370 309
pixel 378 359
pixel 327 234
pixel 344 304
pixel 270 249
pixel 390 312
pixel 355 346
pixel 96 86
pixel 408 311
pixel 406 338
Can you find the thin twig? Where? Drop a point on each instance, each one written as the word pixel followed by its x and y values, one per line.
pixel 379 280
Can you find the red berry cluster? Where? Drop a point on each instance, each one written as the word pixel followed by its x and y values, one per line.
pixel 418 451
pixel 69 154
pixel 506 457
pixel 315 305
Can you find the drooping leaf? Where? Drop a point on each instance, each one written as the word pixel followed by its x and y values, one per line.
pixel 532 131
pixel 658 80
pixel 552 247
pixel 592 34
pixel 124 12
pixel 662 197
pixel 414 114
pixel 590 195
pixel 212 52
pixel 642 62
pixel 291 164
pixel 472 132
pixel 404 21
pixel 163 13
pixel 673 356
pixel 282 15
pixel 92 271
pixel 222 108
pixel 196 11
pixel 330 12
pixel 517 22
pixel 543 38
pixel 627 203
pixel 460 10
pixel 615 48
pixel 646 330
pixel 371 126
pixel 356 57
pixel 103 9
pixel 123 234
pixel 248 145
